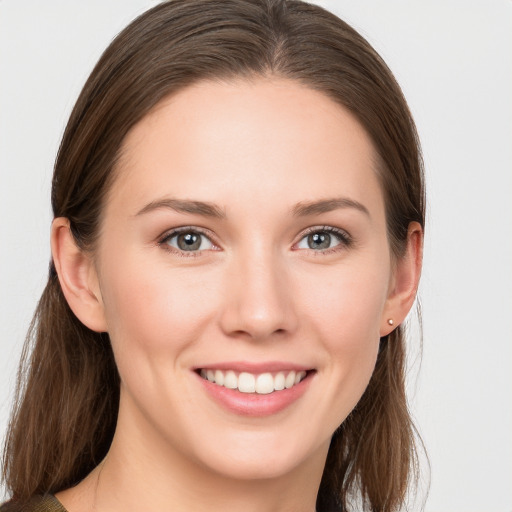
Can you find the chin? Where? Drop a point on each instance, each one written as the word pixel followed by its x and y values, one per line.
pixel 263 457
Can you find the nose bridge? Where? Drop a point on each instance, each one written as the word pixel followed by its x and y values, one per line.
pixel 259 302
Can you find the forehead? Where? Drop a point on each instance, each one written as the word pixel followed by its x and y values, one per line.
pixel 215 141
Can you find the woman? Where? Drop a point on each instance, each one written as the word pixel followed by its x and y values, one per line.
pixel 239 211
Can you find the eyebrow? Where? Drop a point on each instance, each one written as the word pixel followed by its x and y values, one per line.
pixel 304 209
pixel 185 206
pixel 206 209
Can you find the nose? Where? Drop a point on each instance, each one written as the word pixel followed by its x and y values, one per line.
pixel 259 302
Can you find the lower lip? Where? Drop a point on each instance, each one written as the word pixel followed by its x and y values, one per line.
pixel 254 404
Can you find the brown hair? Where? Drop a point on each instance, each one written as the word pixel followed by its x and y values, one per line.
pixel 68 387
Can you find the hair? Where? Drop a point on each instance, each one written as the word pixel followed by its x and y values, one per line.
pixel 65 411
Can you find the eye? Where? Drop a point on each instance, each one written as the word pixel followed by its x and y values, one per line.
pixel 187 240
pixel 322 239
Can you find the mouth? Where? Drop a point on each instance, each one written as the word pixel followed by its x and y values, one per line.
pixel 255 389
pixel 256 383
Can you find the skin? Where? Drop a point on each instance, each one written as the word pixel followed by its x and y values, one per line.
pixel 255 292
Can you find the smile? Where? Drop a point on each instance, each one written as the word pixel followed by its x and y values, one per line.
pixel 262 383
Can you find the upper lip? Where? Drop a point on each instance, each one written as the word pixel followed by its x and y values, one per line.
pixel 253 367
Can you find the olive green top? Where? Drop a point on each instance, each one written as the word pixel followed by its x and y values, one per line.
pixel 46 503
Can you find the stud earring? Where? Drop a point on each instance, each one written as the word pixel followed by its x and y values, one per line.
pixel 391 322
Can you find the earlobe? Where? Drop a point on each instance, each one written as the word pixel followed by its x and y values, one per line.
pixel 404 284
pixel 77 276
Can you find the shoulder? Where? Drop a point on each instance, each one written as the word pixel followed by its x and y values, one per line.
pixel 46 503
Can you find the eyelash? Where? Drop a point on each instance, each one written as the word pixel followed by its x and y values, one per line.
pixel 345 240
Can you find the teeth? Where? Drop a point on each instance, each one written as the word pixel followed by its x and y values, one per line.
pixel 230 380
pixel 289 381
pixel 279 381
pixel 262 384
pixel 246 383
pixel 219 378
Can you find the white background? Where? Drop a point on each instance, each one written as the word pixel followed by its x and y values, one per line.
pixel 453 59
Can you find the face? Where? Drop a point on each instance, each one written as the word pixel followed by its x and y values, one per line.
pixel 244 271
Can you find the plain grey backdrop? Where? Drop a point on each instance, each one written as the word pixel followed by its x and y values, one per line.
pixel 453 59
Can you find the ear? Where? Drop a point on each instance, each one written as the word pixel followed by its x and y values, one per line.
pixel 404 281
pixel 77 276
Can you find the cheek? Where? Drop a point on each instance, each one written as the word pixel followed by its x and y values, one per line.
pixel 348 304
pixel 153 312
pixel 346 315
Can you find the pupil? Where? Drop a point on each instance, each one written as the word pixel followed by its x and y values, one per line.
pixel 189 241
pixel 319 241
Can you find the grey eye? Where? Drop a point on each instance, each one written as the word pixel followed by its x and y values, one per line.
pixel 319 240
pixel 189 241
